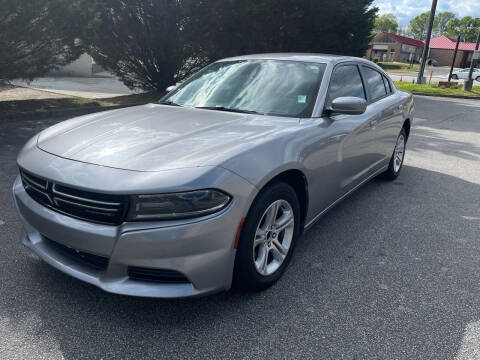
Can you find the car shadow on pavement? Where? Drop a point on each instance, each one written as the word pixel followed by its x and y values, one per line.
pixel 427 139
pixel 391 272
pixel 458 115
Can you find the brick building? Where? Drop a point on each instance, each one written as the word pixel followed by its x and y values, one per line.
pixel 391 47
pixel 442 49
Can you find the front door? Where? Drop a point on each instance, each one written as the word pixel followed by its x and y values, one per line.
pixel 355 150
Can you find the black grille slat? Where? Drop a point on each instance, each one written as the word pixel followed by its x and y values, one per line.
pixel 157 275
pixel 37 183
pixel 93 261
pixel 85 205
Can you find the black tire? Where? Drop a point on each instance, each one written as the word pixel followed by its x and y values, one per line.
pixel 454 77
pixel 478 78
pixel 391 173
pixel 245 274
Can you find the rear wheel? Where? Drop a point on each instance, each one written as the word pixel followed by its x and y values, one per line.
pixel 478 78
pixel 454 77
pixel 396 162
pixel 268 238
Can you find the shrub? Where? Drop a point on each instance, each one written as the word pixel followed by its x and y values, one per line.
pixel 155 43
pixel 36 36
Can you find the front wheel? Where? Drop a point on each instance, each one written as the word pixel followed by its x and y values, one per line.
pixel 478 78
pixel 454 77
pixel 268 238
pixel 396 161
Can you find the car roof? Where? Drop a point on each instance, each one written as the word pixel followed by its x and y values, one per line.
pixel 306 57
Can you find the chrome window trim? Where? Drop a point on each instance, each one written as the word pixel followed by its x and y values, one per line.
pixel 369 100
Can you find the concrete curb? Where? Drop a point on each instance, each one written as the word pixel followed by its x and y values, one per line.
pixel 447 96
pixel 43 114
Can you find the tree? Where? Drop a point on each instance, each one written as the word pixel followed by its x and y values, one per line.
pixel 418 26
pixel 144 42
pixel 467 28
pixel 36 37
pixel 154 43
pixel 387 23
pixel 441 22
pixel 235 27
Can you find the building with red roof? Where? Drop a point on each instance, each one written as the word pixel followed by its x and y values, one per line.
pixel 442 49
pixel 392 47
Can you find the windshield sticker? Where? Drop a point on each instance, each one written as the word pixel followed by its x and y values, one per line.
pixel 302 99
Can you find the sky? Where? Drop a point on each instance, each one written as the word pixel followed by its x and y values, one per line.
pixel 408 9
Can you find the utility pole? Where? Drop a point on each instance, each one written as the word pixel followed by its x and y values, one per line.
pixel 427 42
pixel 467 85
pixel 454 58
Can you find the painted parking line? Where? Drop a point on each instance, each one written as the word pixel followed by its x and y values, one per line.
pixel 470 348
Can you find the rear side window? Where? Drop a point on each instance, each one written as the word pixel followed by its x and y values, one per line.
pixel 374 83
pixel 345 81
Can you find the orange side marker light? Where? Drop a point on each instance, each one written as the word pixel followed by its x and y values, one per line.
pixel 239 231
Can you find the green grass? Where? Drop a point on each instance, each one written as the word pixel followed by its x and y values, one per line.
pixel 75 102
pixel 22 106
pixel 142 98
pixel 9 107
pixel 435 89
pixel 397 67
pixel 32 105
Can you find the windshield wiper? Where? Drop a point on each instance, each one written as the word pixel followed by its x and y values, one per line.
pixel 223 108
pixel 171 103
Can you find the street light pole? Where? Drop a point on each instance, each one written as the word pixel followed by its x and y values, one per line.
pixel 469 83
pixel 427 42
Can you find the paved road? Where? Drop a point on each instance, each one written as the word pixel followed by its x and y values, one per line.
pixel 433 74
pixel 391 273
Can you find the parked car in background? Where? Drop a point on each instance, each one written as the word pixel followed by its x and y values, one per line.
pixel 214 184
pixel 463 74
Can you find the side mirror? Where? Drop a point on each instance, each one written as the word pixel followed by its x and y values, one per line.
pixel 171 88
pixel 348 105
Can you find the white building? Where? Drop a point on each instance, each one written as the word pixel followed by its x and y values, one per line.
pixel 84 66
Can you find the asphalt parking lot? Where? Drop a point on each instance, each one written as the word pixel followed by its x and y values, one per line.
pixel 391 273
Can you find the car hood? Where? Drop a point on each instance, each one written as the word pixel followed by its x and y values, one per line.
pixel 158 137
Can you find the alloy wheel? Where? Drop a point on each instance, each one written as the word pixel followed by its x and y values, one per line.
pixel 399 153
pixel 273 237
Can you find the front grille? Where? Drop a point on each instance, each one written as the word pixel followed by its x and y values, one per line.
pixel 85 205
pixel 157 275
pixel 83 258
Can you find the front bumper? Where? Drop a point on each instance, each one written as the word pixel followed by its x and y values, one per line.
pixel 200 249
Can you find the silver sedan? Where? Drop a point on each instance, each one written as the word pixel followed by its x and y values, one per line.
pixel 213 185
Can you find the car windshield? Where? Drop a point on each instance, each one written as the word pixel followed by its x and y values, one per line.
pixel 270 87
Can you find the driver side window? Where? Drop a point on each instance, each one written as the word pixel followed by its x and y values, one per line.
pixel 345 81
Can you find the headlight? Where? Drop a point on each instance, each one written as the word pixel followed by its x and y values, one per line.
pixel 177 205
